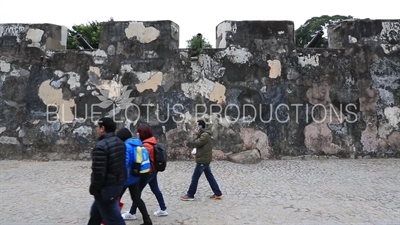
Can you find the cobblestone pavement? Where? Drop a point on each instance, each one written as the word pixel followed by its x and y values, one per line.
pixel 362 191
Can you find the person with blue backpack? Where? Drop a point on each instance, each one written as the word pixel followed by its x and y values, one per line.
pixel 138 166
pixel 145 134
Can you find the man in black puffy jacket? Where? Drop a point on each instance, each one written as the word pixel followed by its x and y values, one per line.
pixel 108 175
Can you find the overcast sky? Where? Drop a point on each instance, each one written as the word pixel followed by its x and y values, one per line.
pixel 192 16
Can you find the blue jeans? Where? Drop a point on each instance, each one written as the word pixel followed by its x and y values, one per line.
pixel 151 179
pixel 105 206
pixel 198 170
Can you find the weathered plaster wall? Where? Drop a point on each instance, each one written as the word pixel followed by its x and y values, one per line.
pixel 264 93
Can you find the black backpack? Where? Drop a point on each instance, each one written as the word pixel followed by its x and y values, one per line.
pixel 160 158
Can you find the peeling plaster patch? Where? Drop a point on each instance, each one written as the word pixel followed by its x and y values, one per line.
pixel 391 81
pixel 113 87
pixel 57 83
pixel 111 50
pixel 9 140
pixel 196 70
pixel 352 39
pixel 312 60
pixel 21 133
pixel 390 33
pixel 16 73
pixel 188 117
pixel 341 129
pixel 236 55
pixel 126 68
pixel 204 87
pixel 386 96
pixel 150 55
pixel 208 67
pixel 143 77
pixel 84 131
pixel 149 80
pixel 99 56
pixel 384 130
pixel 35 35
pixel 393 116
pixel 369 140
pixel 275 68
pixel 5 67
pixel 73 80
pixel 2 129
pixel 222 31
pixel 47 129
pixel 281 32
pixel 49 53
pixel 52 96
pixel 94 76
pixel 218 93
pixel 59 73
pixel 263 89
pixel 143 34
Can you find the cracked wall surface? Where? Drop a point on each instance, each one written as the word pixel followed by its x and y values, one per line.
pixel 256 90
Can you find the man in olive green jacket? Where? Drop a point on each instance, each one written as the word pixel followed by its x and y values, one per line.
pixel 204 145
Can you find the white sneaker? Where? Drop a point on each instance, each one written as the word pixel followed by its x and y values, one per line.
pixel 161 213
pixel 128 216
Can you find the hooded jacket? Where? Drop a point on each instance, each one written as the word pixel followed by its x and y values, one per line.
pixel 204 145
pixel 149 145
pixel 131 145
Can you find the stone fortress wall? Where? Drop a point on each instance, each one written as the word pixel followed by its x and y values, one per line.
pixel 256 90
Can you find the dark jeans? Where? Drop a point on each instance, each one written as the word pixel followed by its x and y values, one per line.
pixel 151 179
pixel 134 190
pixel 105 206
pixel 198 170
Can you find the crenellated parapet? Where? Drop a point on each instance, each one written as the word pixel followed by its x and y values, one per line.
pixel 275 37
pixel 42 36
pixel 255 90
pixel 383 36
pixel 129 36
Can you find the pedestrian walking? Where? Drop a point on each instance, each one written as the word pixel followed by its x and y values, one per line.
pixel 108 175
pixel 133 145
pixel 145 134
pixel 203 144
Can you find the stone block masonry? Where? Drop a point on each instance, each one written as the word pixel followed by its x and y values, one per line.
pixel 255 90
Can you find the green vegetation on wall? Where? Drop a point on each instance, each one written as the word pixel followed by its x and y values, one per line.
pixel 90 31
pixel 196 44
